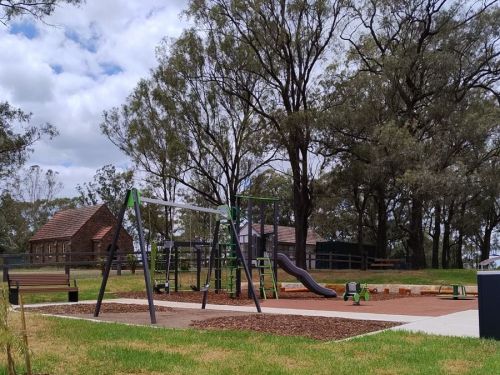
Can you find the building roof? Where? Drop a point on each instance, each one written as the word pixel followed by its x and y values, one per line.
pixel 101 233
pixel 286 235
pixel 65 224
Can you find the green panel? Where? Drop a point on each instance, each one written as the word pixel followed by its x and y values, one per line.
pixel 130 202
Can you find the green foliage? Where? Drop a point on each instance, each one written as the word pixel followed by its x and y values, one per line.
pixel 132 262
pixel 38 9
pixel 16 146
pixel 108 186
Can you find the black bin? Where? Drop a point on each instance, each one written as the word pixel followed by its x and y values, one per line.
pixel 488 288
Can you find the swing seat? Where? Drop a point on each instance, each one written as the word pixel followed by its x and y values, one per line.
pixel 205 288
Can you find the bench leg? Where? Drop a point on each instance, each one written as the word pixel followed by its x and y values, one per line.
pixel 14 296
pixel 73 296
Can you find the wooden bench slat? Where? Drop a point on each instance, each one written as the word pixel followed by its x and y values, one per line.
pixel 66 289
pixel 40 283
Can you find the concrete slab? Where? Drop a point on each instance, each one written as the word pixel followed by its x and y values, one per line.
pixel 461 324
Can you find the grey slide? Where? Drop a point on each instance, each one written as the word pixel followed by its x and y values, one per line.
pixel 304 277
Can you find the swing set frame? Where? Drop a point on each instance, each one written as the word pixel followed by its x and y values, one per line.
pixel 133 200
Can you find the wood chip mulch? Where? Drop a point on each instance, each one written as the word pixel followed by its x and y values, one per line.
pixel 84 308
pixel 195 297
pixel 319 328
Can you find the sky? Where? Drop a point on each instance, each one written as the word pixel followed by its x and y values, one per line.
pixel 80 62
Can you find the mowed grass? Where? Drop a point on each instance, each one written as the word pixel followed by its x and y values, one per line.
pixel 418 277
pixel 63 346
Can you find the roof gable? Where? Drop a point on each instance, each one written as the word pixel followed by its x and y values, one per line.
pixel 65 224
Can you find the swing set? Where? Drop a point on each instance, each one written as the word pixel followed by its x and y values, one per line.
pixel 133 200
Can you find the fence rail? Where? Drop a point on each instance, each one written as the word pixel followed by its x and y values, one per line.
pixel 189 257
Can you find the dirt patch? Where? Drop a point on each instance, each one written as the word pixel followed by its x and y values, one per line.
pixel 84 308
pixel 225 299
pixel 314 327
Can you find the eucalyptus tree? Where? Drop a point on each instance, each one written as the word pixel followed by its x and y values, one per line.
pixel 228 142
pixel 432 55
pixel 185 132
pixel 15 146
pixel 283 45
pixel 146 132
pixel 108 186
pixel 38 9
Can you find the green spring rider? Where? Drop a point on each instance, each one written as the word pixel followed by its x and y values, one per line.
pixel 356 291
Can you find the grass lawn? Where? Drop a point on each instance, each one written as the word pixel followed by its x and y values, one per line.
pixel 63 346
pixel 89 281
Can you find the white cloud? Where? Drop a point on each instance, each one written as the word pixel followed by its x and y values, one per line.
pixel 88 61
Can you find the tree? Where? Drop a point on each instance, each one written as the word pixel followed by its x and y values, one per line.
pixel 432 58
pixel 15 147
pixel 273 184
pixel 282 45
pixel 186 132
pixel 108 186
pixel 28 204
pixel 38 9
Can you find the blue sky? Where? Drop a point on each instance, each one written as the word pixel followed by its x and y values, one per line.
pixel 80 62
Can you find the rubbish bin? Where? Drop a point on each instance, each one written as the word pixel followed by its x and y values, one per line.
pixel 488 288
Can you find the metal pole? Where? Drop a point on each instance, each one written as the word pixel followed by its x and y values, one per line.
pixel 239 254
pixel 262 246
pixel 142 245
pixel 198 267
pixel 184 205
pixel 250 242
pixel 176 269
pixel 275 241
pixel 233 246
pixel 215 244
pixel 111 254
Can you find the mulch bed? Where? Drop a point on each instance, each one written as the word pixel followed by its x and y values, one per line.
pixel 84 308
pixel 195 297
pixel 319 328
pixel 225 299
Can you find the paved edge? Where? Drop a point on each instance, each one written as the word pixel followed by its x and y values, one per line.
pixel 459 324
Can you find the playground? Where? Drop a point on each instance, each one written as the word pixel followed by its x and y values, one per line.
pixel 231 299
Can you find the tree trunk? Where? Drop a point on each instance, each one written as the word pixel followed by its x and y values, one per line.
pixel 301 199
pixel 416 239
pixel 445 256
pixel 381 224
pixel 300 238
pixel 486 244
pixel 360 232
pixel 458 262
pixel 436 235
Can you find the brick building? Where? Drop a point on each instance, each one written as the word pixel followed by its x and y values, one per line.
pixel 87 230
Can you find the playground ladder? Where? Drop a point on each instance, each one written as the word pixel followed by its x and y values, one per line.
pixel 231 264
pixel 265 268
pixel 169 270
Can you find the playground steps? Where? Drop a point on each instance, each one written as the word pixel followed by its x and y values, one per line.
pixel 265 268
pixel 232 267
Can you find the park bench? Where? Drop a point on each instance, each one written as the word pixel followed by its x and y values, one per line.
pixel 40 283
pixel 382 263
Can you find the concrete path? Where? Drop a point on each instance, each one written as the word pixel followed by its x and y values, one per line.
pixel 461 324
